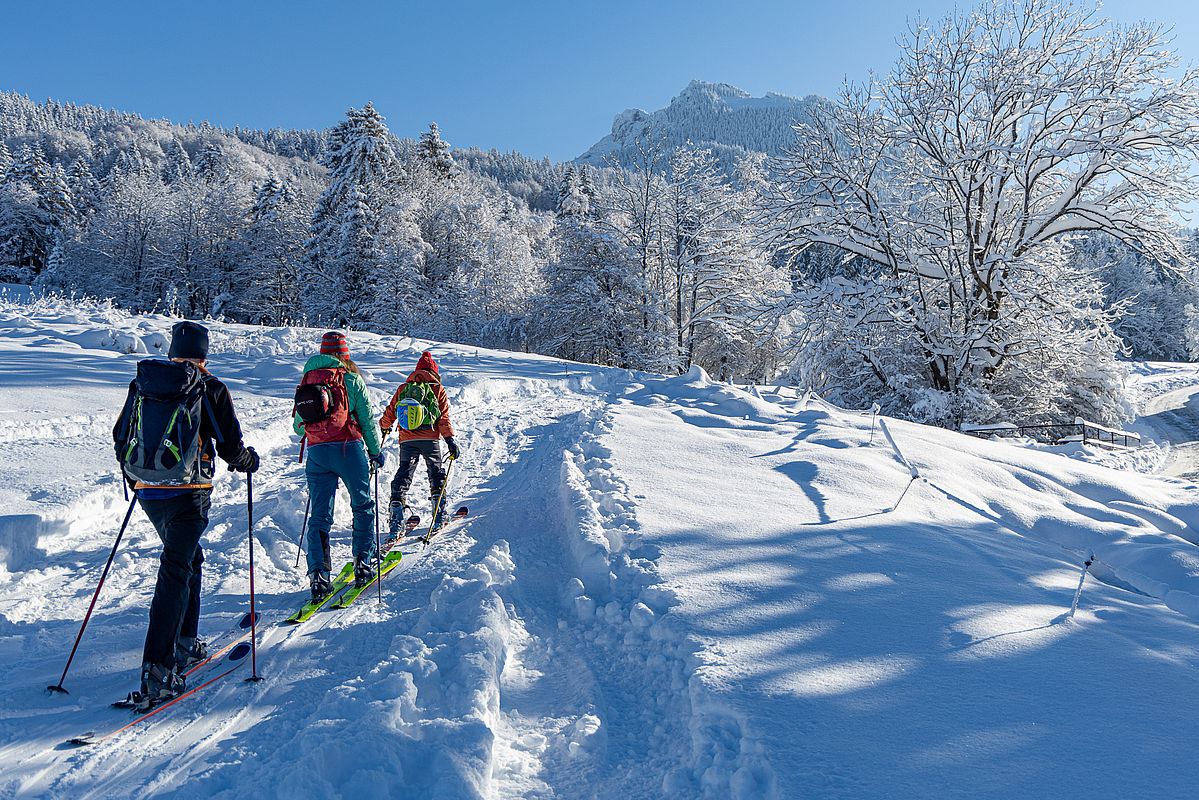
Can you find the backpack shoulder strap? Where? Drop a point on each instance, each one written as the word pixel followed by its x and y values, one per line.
pixel 216 426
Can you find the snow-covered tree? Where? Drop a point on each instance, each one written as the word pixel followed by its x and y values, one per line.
pixel 178 166
pixel 956 178
pixel 271 253
pixel 85 189
pixel 572 200
pixel 363 171
pixel 592 309
pixel 435 152
pixel 35 203
pixel 633 215
pixel 1152 298
pixel 209 164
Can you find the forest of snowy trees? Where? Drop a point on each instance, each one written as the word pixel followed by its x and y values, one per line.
pixel 955 242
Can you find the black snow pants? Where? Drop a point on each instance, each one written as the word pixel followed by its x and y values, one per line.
pixel 175 609
pixel 410 454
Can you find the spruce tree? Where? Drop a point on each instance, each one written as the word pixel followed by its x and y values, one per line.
pixel 178 165
pixel 85 189
pixel 435 152
pixel 363 171
pixel 209 164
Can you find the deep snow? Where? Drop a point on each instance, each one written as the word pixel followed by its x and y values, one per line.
pixel 668 587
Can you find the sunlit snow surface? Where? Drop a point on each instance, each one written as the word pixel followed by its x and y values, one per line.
pixel 667 588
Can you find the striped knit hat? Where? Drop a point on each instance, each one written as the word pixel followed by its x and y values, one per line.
pixel 334 343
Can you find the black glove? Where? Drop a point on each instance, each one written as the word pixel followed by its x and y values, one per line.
pixel 378 460
pixel 249 461
pixel 452 446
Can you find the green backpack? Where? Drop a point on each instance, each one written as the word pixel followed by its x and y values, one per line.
pixel 417 407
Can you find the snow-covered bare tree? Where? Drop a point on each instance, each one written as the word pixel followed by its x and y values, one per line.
pixel 998 133
pixel 631 213
pixel 593 305
pixel 720 286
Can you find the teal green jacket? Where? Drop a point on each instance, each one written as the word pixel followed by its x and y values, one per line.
pixel 360 404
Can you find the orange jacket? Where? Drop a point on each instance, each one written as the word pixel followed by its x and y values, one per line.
pixel 443 428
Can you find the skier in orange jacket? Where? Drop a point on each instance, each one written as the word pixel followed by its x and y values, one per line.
pixel 422 410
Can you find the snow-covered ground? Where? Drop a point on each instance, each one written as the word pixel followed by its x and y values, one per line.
pixel 1168 401
pixel 667 588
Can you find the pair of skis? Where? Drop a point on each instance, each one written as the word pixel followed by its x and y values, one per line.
pixel 230 656
pixel 344 591
pixel 230 649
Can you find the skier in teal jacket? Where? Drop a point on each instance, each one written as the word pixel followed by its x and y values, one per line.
pixel 344 446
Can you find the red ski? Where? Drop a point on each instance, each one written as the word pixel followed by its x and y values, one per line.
pixel 237 657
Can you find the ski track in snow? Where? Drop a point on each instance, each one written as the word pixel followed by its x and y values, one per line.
pixel 666 588
pixel 471 680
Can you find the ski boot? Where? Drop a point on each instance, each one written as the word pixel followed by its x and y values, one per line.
pixel 159 684
pixel 189 652
pixel 398 512
pixel 364 570
pixel 320 585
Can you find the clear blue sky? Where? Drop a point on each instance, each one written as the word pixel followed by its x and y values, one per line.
pixel 544 78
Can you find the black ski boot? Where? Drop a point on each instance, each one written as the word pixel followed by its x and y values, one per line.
pixel 319 584
pixel 364 571
pixel 189 652
pixel 159 684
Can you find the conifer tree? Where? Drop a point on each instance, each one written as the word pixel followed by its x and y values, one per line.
pixel 85 189
pixel 435 152
pixel 5 161
pixel 178 165
pixel 363 177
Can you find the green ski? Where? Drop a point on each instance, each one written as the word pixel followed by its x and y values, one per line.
pixel 344 578
pixel 390 562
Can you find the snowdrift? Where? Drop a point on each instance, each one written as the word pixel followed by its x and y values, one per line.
pixel 667 587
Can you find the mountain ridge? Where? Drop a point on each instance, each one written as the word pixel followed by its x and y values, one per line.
pixel 720 116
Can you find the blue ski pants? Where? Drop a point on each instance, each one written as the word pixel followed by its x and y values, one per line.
pixel 327 464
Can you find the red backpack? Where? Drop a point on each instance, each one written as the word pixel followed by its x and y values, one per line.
pixel 324 407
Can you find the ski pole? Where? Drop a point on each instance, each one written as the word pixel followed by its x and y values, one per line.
pixel 58 687
pixel 254 676
pixel 378 549
pixel 303 530
pixel 437 503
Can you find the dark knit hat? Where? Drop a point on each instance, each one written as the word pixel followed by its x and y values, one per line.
pixel 334 343
pixel 188 340
pixel 427 362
